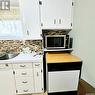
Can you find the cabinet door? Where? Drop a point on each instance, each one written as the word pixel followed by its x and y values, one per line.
pixel 7 83
pixel 38 78
pixel 56 14
pixel 31 19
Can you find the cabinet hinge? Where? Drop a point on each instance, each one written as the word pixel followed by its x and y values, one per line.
pixel 42 88
pixel 41 71
pixel 72 3
pixel 40 2
pixel 14 72
pixel 41 35
pixel 16 91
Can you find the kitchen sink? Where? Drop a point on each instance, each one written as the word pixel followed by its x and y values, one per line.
pixel 6 56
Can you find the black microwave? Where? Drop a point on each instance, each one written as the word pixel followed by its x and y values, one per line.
pixel 58 42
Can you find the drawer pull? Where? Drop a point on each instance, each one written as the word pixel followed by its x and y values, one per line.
pixel 24 82
pixel 37 64
pixel 24 73
pixel 22 65
pixel 60 21
pixel 25 90
pixel 54 21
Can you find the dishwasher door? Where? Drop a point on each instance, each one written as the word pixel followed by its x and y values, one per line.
pixel 63 77
pixel 63 81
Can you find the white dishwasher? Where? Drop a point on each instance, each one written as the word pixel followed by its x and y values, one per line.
pixel 63 78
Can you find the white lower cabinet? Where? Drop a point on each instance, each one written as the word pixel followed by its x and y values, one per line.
pixel 28 78
pixel 7 81
pixel 21 78
pixel 38 77
pixel 38 80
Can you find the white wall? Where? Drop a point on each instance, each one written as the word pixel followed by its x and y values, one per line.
pixel 14 3
pixel 84 37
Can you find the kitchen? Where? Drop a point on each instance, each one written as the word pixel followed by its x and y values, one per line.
pixel 31 41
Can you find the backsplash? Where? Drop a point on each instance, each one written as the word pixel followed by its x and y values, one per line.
pixel 17 45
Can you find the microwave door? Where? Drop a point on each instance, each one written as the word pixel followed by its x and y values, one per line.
pixel 55 42
pixel 59 42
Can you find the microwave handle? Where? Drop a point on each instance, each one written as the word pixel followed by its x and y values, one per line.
pixel 71 43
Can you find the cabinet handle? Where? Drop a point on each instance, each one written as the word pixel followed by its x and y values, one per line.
pixel 25 90
pixel 41 24
pixel 16 91
pixel 22 65
pixel 24 73
pixel 60 21
pixel 71 24
pixel 24 82
pixel 27 32
pixel 54 21
pixel 37 64
pixel 37 74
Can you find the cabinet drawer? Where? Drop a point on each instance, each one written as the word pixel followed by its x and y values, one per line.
pixel 5 66
pixel 24 81
pixel 22 66
pixel 24 90
pixel 23 72
pixel 25 85
pixel 36 65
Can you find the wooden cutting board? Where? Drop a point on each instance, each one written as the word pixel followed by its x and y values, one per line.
pixel 61 58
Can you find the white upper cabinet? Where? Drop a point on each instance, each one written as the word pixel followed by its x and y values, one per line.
pixel 30 19
pixel 56 14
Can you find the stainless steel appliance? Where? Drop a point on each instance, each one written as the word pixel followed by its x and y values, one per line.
pixel 58 42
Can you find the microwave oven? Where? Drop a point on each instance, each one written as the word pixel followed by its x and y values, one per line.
pixel 58 42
